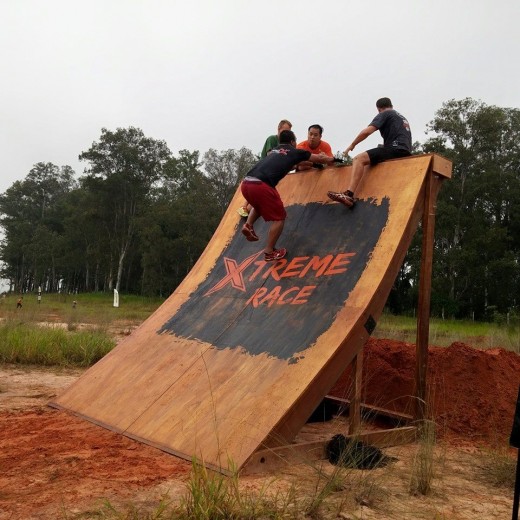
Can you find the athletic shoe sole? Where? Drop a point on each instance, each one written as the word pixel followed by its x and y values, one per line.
pixel 277 254
pixel 342 198
pixel 249 233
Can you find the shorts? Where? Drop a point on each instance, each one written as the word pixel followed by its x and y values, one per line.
pixel 264 199
pixel 381 154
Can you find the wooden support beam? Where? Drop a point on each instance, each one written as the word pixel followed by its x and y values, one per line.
pixel 372 410
pixel 441 166
pixel 275 337
pixel 355 408
pixel 308 452
pixel 432 186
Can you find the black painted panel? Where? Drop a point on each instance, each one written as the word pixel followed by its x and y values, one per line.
pixel 282 309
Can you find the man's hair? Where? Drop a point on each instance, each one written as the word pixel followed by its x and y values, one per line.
pixel 384 102
pixel 287 137
pixel 318 127
pixel 284 122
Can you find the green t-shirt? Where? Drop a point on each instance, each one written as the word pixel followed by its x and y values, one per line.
pixel 270 143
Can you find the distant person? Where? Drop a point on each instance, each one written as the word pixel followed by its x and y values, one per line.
pixel 274 140
pixel 397 142
pixel 271 142
pixel 259 190
pixel 19 302
pixel 314 144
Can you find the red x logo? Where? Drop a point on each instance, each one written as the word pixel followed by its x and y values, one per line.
pixel 234 274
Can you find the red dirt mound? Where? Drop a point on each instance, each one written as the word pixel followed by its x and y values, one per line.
pixel 49 457
pixel 472 392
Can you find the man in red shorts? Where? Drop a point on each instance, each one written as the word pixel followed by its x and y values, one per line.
pixel 259 189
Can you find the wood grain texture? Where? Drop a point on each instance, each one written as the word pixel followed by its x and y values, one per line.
pixel 242 352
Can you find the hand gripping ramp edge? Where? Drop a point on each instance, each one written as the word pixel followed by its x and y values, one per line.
pixel 239 356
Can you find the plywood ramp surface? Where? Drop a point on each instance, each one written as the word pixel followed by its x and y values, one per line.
pixel 243 351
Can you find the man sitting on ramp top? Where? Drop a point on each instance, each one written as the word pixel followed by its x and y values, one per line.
pixel 259 189
pixel 397 142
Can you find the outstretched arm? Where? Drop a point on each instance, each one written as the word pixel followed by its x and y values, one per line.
pixel 321 158
pixel 369 130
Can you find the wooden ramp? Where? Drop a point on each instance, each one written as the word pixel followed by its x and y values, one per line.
pixel 240 355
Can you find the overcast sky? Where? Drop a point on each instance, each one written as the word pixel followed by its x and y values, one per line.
pixel 203 74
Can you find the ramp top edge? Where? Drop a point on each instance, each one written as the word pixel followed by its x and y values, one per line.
pixel 440 165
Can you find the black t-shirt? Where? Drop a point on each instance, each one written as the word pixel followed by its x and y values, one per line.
pixel 395 130
pixel 278 163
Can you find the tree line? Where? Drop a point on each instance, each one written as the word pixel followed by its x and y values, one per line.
pixel 476 264
pixel 139 217
pixel 136 221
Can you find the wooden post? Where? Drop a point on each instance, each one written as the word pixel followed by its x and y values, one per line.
pixel 432 187
pixel 355 406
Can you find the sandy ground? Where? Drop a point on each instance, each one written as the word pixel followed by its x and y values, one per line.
pixel 54 465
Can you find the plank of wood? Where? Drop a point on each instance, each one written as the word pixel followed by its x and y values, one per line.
pixel 268 460
pixel 242 352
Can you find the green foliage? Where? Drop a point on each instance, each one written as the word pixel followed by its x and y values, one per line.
pixel 212 496
pixel 225 170
pixel 477 235
pixel 56 332
pixel 140 216
pixel 209 495
pixel 175 229
pixel 423 464
pixel 31 215
pixel 31 344
pixel 137 221
pixel 445 332
pixel 91 308
pixel 124 167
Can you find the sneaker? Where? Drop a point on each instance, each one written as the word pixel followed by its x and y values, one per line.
pixel 342 197
pixel 249 233
pixel 275 254
pixel 243 212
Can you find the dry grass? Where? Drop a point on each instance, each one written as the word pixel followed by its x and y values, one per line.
pixel 497 467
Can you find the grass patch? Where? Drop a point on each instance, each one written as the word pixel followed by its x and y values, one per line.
pixel 445 332
pixel 423 464
pixel 25 343
pixel 59 332
pixel 97 309
pixel 164 510
pixel 325 493
pixel 212 496
pixel 498 468
pixel 94 308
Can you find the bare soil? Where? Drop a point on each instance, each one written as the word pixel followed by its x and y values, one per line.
pixel 54 465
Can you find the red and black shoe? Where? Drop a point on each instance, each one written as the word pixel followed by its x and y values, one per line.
pixel 342 197
pixel 249 232
pixel 275 254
